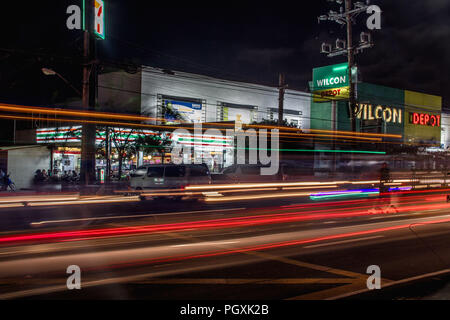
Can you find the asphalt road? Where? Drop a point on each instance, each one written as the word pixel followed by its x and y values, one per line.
pixel 257 251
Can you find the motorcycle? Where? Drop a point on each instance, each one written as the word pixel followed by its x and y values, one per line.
pixel 7 182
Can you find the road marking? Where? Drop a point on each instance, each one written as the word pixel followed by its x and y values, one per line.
pixel 341 242
pixel 267 256
pixel 326 294
pixel 234 281
pixel 131 216
pixel 392 283
pixel 344 273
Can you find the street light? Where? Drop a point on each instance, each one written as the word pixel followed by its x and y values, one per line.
pixel 50 72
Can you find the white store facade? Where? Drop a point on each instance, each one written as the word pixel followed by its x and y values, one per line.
pixel 203 99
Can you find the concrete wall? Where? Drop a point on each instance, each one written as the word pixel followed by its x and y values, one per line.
pixel 445 131
pixel 23 163
pixel 214 91
pixel 120 92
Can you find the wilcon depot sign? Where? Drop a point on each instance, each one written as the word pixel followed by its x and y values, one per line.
pixel 331 82
pixel 414 115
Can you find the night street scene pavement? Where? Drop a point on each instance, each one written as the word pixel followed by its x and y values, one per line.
pixel 225 160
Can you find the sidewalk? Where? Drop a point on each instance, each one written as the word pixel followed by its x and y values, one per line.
pixel 64 189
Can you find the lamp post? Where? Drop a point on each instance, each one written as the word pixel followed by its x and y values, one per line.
pixel 51 72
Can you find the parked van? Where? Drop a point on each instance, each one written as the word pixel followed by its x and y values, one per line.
pixel 167 176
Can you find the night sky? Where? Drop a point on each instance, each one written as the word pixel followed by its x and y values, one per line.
pixel 239 40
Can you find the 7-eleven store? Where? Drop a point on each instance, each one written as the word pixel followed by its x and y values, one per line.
pixel 215 151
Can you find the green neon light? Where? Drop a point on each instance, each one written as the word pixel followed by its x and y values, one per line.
pixel 325 151
pixel 84 15
pixel 339 68
pixel 101 36
pixel 203 140
pixel 344 195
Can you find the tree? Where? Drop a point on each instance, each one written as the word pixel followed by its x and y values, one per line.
pixel 123 143
pixel 267 122
pixel 128 142
pixel 154 143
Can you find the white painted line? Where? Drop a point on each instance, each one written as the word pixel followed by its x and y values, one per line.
pixel 130 216
pixel 341 242
pixel 393 283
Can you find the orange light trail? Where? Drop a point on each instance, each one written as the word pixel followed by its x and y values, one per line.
pixel 165 127
pixel 78 113
pixel 268 246
pixel 296 216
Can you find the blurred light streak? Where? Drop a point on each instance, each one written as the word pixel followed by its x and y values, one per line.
pixel 362 134
pixel 78 113
pixel 257 196
pixel 216 223
pixel 171 127
pixel 260 185
pixel 345 193
pixel 268 246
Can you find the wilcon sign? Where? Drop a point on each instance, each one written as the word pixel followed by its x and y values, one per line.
pixel 375 112
pixel 331 82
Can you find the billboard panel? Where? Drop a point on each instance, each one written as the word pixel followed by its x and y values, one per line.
pixel 190 111
pixel 422 118
pixel 331 83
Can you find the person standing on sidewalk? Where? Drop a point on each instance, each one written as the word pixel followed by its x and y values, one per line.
pixel 385 177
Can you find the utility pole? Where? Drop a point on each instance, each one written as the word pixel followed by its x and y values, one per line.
pixel 108 155
pixel 346 16
pixel 281 87
pixel 87 174
pixel 351 84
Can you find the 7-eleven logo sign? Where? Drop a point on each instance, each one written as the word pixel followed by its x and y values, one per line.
pixel 99 21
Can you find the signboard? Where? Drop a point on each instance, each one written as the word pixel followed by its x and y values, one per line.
pixel 331 83
pixel 425 119
pixel 331 94
pixel 376 112
pixel 73 21
pixel 330 77
pixel 102 175
pixel 65 135
pixel 190 111
pixel 99 19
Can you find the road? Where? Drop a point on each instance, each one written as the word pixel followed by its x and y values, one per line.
pixel 266 250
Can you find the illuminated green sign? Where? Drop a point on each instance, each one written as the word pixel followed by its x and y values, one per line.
pixel 330 77
pixel 99 18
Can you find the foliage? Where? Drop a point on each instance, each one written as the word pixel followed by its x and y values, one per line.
pixel 268 122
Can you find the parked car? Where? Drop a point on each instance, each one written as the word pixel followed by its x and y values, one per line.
pixel 168 176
